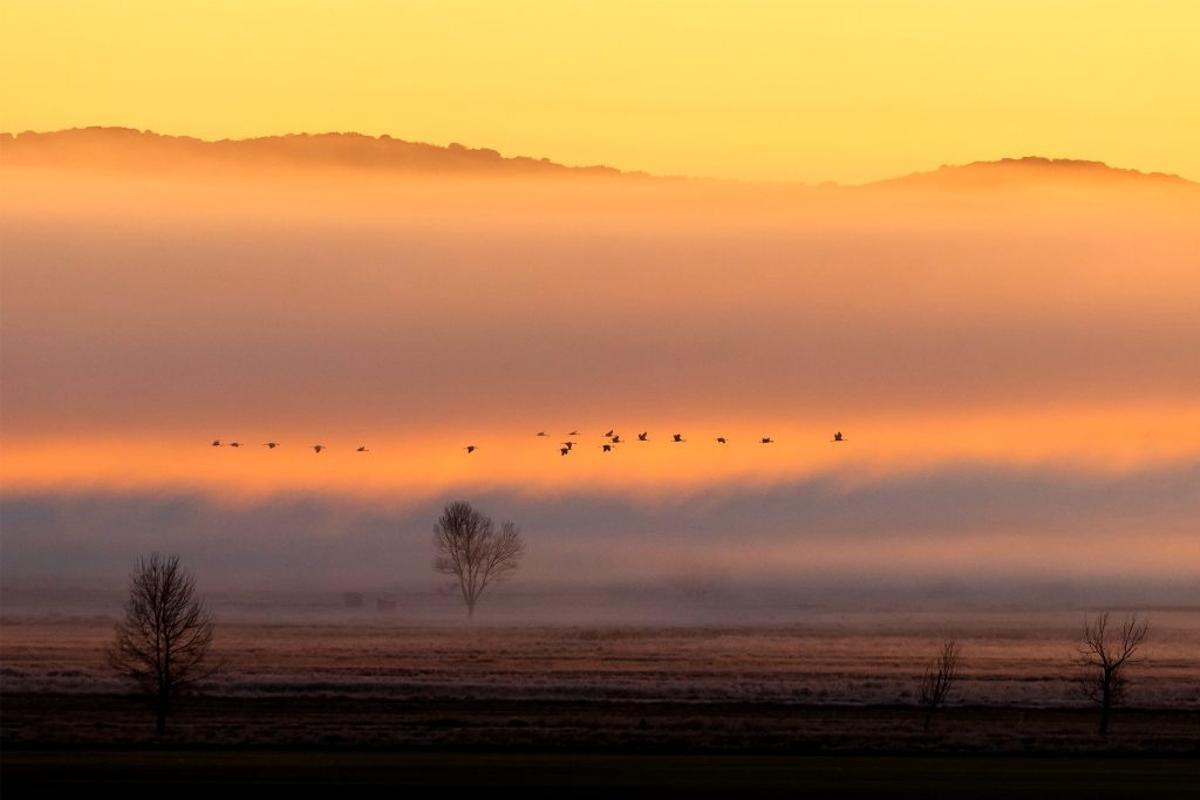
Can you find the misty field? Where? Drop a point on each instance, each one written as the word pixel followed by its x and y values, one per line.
pixel 1011 659
pixel 836 680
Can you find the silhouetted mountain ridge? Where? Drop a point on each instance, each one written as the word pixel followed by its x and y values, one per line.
pixel 130 149
pixel 1012 170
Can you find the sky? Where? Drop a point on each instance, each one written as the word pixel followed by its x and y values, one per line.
pixel 1013 367
pixel 809 91
pixel 1011 353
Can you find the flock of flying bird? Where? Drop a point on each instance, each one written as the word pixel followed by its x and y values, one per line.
pixel 317 448
pixel 565 449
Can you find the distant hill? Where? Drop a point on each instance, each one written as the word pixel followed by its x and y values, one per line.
pixel 984 174
pixel 126 148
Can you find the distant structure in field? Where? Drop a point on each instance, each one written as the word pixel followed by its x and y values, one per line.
pixel 353 599
pixel 385 605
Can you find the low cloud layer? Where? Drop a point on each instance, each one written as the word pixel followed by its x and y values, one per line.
pixel 967 525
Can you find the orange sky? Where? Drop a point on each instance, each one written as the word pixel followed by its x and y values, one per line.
pixel 1039 324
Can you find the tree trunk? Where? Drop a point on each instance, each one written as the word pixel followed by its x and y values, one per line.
pixel 1105 706
pixel 160 718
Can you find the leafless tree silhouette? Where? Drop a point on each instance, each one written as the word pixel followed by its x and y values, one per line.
pixel 470 548
pixel 1103 657
pixel 939 678
pixel 163 641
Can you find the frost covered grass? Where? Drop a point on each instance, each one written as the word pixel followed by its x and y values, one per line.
pixel 1010 660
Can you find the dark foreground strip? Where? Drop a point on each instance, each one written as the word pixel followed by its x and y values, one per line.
pixel 290 774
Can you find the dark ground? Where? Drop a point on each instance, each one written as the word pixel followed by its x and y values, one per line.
pixel 489 724
pixel 93 744
pixel 273 773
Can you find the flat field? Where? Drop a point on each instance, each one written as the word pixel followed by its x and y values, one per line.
pixel 818 705
pixel 834 681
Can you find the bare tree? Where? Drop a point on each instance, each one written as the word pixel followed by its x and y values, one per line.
pixel 939 678
pixel 163 641
pixel 470 548
pixel 1103 658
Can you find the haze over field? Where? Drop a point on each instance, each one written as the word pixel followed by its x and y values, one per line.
pixel 1010 348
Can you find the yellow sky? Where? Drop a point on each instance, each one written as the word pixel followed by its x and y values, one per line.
pixel 847 91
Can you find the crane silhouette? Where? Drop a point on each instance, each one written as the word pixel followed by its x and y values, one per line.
pixel 565 449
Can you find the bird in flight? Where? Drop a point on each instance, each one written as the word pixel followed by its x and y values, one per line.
pixel 562 451
pixel 542 433
pixel 573 433
pixel 837 437
pixel 722 440
pixel 610 433
pixel 568 444
pixel 270 445
pixel 317 448
pixel 216 443
pixel 767 440
pixel 616 438
pixel 362 448
pixel 678 437
pixel 642 436
pixel 235 444
pixel 470 449
pixel 606 447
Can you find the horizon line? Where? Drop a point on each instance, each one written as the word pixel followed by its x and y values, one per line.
pixel 1047 161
